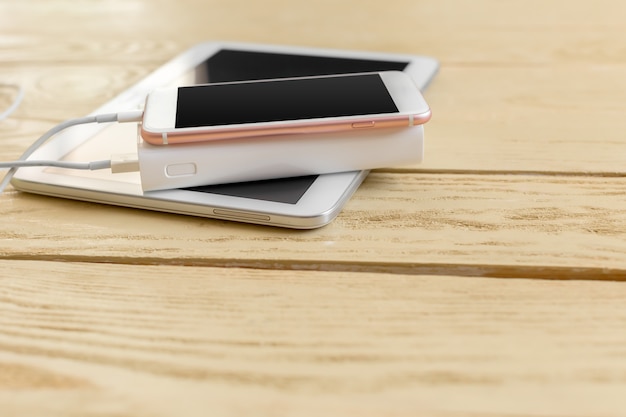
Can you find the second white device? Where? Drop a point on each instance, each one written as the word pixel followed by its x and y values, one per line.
pixel 280 128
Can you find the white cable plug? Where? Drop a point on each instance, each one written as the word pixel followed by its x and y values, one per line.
pixel 127 162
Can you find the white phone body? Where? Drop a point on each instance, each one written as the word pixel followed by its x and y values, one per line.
pixel 285 106
pixel 317 199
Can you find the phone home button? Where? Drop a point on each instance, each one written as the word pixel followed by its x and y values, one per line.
pixel 180 170
pixel 363 125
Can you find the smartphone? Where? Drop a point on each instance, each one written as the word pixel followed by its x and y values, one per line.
pixel 301 202
pixel 293 106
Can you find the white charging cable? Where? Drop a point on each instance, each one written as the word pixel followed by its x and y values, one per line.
pixel 19 96
pixel 122 165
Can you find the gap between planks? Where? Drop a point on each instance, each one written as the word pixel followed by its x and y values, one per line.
pixel 539 272
pixel 582 174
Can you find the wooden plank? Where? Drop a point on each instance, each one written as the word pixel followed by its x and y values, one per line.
pixel 394 223
pixel 485 119
pixel 490 32
pixel 510 102
pixel 507 127
pixel 85 339
pixel 527 119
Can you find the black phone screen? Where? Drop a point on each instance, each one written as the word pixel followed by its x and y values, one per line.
pixel 282 100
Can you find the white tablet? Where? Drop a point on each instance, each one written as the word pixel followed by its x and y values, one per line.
pixel 299 202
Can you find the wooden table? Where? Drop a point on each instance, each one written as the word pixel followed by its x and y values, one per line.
pixel 488 281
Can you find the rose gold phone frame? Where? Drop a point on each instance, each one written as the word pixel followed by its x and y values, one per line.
pixel 191 135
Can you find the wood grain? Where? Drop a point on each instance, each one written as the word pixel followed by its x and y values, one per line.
pixel 484 32
pixel 394 223
pixel 163 340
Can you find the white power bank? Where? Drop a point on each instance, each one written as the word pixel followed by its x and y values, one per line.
pixel 250 159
